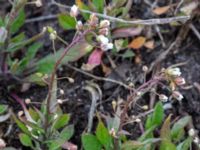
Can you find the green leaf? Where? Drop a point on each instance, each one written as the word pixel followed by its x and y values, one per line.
pixel 18 22
pixel 99 4
pixel 66 21
pixel 167 145
pixel 61 121
pixel 130 145
pixel 128 54
pixel 90 142
pixel 165 130
pixel 77 51
pixel 81 5
pixel 147 134
pixel 1 22
pixel 179 126
pixel 32 50
pixel 36 78
pixel 3 109
pixel 25 140
pixel 55 144
pixel 185 145
pixel 30 54
pixel 67 132
pixel 157 116
pixel 21 125
pixel 103 135
pixel 34 114
pixel 18 38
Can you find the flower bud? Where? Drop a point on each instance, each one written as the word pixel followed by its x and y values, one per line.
pixel 177 95
pixel 38 3
pixel 145 68
pixel 3 34
pixel 191 132
pixel 163 97
pixel 62 92
pixel 2 144
pixel 104 24
pixel 74 11
pixel 53 35
pixel 93 20
pixel 79 25
pixel 59 101
pixel 112 132
pixel 20 113
pixel 179 81
pixel 27 100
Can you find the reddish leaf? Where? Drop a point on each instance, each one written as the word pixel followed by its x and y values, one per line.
pixel 69 146
pixel 94 60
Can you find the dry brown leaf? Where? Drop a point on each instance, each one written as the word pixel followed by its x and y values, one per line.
pixel 106 70
pixel 161 10
pixel 137 42
pixel 149 44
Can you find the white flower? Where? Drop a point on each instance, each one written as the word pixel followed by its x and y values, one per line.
pixel 74 11
pixel 191 132
pixel 104 31
pixel 174 71
pixel 107 46
pixel 196 140
pixel 179 81
pixel 62 92
pixel 104 43
pixel 38 3
pixel 177 95
pixel 102 39
pixel 163 97
pixel 104 24
pixel 59 101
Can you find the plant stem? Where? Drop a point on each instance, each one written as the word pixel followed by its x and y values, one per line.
pixel 53 76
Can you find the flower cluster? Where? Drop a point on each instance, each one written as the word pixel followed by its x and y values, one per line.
pixel 173 75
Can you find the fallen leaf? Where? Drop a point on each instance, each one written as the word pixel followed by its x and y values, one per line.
pixel 94 60
pixel 149 44
pixel 106 70
pixel 137 42
pixel 161 10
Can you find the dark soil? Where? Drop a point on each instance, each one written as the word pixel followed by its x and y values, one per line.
pixel 79 100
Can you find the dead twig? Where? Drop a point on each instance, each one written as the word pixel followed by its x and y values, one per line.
pixel 195 31
pixel 100 78
pixel 137 22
